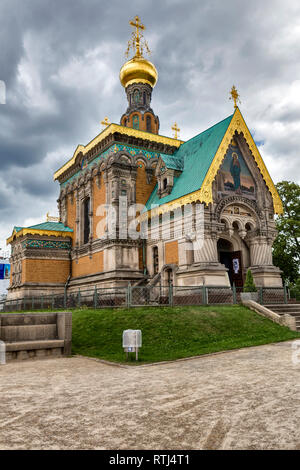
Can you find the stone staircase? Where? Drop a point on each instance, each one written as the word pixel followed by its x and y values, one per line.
pixel 292 309
pixel 36 335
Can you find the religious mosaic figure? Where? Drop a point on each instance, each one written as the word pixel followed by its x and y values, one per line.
pixel 235 170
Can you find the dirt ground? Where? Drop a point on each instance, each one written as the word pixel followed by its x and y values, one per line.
pixel 246 399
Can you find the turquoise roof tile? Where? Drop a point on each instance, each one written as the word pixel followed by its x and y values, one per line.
pixel 51 226
pixel 196 156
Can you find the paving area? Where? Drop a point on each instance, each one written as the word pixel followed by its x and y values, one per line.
pixel 246 399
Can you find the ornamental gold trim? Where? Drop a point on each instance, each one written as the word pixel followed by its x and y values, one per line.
pixel 121 130
pixel 204 194
pixel 32 231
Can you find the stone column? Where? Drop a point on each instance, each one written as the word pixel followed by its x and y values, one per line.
pixel 260 252
pixel 185 253
pixel 205 250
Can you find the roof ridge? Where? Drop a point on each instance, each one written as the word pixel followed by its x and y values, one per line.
pixel 209 128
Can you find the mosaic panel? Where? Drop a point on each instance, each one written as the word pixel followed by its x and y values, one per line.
pixel 60 245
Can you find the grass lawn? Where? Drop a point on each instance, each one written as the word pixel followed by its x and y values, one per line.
pixel 172 332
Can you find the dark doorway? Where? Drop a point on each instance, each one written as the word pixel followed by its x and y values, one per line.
pixel 232 260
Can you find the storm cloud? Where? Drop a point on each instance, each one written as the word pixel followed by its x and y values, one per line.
pixel 60 62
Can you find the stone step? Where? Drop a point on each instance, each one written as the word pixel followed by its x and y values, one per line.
pixel 28 332
pixel 30 345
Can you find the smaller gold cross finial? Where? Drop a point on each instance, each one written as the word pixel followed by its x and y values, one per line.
pixel 106 122
pixel 176 130
pixel 50 218
pixel 235 96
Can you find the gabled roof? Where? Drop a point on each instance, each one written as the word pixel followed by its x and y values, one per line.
pixel 202 157
pixel 195 157
pixel 56 229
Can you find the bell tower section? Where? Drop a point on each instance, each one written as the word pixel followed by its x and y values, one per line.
pixel 139 76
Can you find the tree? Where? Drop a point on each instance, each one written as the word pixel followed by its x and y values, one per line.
pixel 249 285
pixel 286 248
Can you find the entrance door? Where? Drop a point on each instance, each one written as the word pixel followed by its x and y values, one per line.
pixel 233 262
pixel 236 265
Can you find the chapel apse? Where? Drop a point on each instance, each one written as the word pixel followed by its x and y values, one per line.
pixel 234 175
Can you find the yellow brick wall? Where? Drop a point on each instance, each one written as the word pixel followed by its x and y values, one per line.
pixel 99 199
pixel 71 215
pixel 45 270
pixel 87 266
pixel 143 189
pixel 171 252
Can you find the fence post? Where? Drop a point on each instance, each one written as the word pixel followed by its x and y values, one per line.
pixel 32 302
pixel 65 298
pixel 234 293
pixel 95 298
pixel 129 295
pixel 78 298
pixel 170 294
pixel 285 294
pixel 52 302
pixel 204 295
pixel 261 295
pixel 42 302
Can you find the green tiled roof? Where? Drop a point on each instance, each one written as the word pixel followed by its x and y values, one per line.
pixel 51 226
pixel 196 156
pixel 173 162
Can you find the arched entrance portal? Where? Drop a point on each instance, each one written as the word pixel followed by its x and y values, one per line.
pixel 232 261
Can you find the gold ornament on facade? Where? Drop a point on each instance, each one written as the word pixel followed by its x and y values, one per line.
pixel 50 218
pixel 138 69
pixel 176 130
pixel 106 122
pixel 235 96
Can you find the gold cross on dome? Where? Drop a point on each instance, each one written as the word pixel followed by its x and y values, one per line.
pixel 176 130
pixel 137 41
pixel 235 96
pixel 106 122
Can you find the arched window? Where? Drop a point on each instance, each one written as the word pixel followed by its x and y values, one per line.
pixel 136 97
pixel 144 97
pixel 125 122
pixel 165 183
pixel 155 260
pixel 148 123
pixel 86 220
pixel 135 122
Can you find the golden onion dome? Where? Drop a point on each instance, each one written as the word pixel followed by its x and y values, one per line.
pixel 138 70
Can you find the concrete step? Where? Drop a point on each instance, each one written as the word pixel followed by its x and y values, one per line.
pixel 30 345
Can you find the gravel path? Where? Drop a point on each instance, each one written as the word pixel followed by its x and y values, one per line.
pixel 246 399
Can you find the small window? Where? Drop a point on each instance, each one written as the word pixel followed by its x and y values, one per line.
pixel 148 123
pixel 165 183
pixel 123 192
pixel 135 122
pixel 86 220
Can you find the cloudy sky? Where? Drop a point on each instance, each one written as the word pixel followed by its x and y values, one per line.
pixel 60 61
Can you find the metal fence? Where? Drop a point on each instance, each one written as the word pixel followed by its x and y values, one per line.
pixel 136 296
